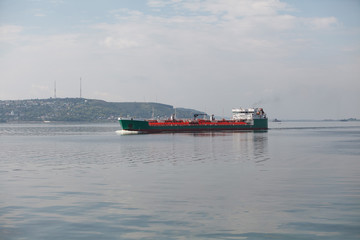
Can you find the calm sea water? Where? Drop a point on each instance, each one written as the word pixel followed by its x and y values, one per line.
pixel 295 181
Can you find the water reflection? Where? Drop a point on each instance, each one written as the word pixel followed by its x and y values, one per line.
pixel 253 145
pixel 195 147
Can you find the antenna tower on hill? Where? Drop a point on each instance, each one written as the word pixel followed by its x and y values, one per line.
pixel 55 89
pixel 80 87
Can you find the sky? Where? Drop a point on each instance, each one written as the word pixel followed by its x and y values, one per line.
pixel 296 59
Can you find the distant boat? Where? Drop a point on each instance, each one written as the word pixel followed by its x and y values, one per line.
pixel 243 119
pixel 348 119
pixel 276 120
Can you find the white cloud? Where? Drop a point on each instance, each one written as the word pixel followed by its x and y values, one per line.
pixel 40 15
pixel 9 33
pixel 161 3
pixel 237 8
pixel 119 43
pixel 157 3
pixel 351 49
pixel 321 23
pixel 125 14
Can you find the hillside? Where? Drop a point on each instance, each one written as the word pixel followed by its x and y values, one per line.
pixel 85 110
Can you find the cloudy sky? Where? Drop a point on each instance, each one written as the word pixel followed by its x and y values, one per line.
pixel 297 59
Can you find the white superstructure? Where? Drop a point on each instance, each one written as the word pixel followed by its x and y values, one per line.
pixel 248 114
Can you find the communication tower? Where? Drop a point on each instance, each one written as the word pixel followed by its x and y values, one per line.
pixel 55 89
pixel 80 88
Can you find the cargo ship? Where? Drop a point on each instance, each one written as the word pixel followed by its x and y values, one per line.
pixel 242 119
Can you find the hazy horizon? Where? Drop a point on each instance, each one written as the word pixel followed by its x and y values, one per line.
pixel 296 59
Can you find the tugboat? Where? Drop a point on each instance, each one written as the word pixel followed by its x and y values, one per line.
pixel 242 119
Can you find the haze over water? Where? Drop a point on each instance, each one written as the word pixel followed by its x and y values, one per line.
pixel 83 181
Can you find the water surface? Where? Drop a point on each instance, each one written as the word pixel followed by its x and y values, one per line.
pixel 298 180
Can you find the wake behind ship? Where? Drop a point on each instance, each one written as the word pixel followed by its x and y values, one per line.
pixel 242 119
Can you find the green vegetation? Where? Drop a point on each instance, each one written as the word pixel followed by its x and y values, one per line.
pixel 84 110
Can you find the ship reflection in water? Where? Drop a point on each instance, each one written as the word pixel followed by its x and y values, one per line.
pixel 228 146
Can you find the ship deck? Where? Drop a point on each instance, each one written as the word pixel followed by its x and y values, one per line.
pixel 157 123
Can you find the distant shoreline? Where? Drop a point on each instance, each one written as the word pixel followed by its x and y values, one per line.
pixel 84 110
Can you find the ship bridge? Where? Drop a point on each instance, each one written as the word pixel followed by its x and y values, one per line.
pixel 248 114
